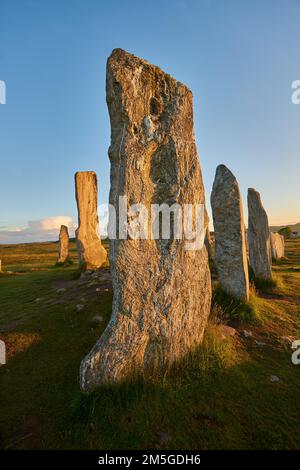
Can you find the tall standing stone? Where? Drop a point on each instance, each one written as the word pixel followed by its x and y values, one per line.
pixel 277 246
pixel 63 244
pixel 162 292
pixel 229 228
pixel 2 353
pixel 258 237
pixel 91 253
pixel 208 241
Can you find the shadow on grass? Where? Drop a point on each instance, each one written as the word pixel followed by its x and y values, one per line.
pixel 233 407
pixel 65 264
pixel 266 286
pixel 235 310
pixel 215 398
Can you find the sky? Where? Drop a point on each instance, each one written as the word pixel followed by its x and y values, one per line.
pixel 238 58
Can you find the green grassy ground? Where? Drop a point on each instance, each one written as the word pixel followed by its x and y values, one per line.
pixel 221 398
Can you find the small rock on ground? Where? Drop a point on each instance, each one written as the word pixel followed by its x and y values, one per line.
pixel 61 290
pixel 247 334
pixel 261 344
pixel 163 437
pixel 274 378
pixel 79 307
pixel 96 320
pixel 227 331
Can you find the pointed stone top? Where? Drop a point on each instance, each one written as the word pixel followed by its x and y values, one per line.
pixel 126 59
pixel 224 177
pixel 253 191
pixel 253 194
pixel 223 171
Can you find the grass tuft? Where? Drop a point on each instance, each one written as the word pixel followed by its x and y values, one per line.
pixel 65 264
pixel 233 309
pixel 265 285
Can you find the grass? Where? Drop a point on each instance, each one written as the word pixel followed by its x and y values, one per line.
pixel 265 285
pixel 220 397
pixel 63 264
pixel 234 310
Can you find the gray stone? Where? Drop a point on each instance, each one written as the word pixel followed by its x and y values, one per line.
pixel 63 244
pixel 91 253
pixel 277 246
pixel 274 378
pixel 79 307
pixel 208 241
pixel 96 320
pixel 247 334
pixel 229 230
pixel 227 331
pixel 61 290
pixel 258 237
pixel 163 437
pixel 260 344
pixel 162 292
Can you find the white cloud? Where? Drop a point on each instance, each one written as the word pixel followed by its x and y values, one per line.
pixel 51 223
pixel 37 230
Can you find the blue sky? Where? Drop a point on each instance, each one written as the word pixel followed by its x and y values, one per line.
pixel 239 59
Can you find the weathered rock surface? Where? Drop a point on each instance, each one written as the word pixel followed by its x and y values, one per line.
pixel 208 241
pixel 227 331
pixel 162 292
pixel 91 253
pixel 229 229
pixel 258 237
pixel 63 244
pixel 2 353
pixel 277 245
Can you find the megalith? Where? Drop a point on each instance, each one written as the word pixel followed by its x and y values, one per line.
pixel 162 290
pixel 91 253
pixel 229 229
pixel 2 353
pixel 258 237
pixel 63 244
pixel 277 245
pixel 208 241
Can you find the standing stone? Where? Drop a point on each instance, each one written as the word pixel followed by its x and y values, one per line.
pixel 63 244
pixel 230 243
pixel 258 237
pixel 162 292
pixel 208 241
pixel 277 246
pixel 91 253
pixel 2 353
